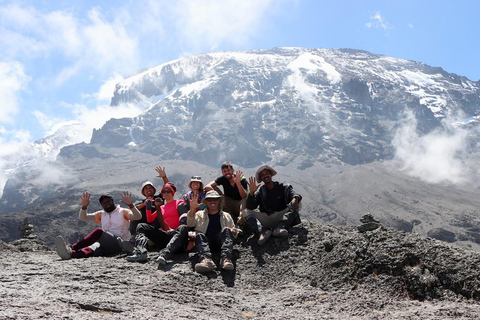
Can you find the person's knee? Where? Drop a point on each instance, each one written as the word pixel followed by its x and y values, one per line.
pixel 182 230
pixel 142 227
pixel 200 236
pixel 227 231
pixel 97 232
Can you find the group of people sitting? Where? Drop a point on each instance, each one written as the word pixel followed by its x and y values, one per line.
pixel 205 218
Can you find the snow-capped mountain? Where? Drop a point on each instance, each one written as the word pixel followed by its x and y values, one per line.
pixel 284 105
pixel 318 114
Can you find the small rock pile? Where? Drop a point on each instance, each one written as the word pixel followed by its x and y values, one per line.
pixel 369 223
pixel 26 230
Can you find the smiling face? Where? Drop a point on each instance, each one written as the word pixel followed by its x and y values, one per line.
pixel 148 191
pixel 227 172
pixel 195 185
pixel 266 176
pixel 167 195
pixel 108 205
pixel 213 205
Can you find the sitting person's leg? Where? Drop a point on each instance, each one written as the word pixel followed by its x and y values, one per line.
pixel 108 245
pixel 177 243
pixel 203 248
pixel 80 249
pixel 147 232
pixel 88 240
pixel 226 239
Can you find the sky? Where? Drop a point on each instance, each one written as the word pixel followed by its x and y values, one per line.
pixel 60 60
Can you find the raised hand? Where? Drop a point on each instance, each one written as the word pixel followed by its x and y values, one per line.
pixel 194 202
pixel 238 176
pixel 252 185
pixel 158 203
pixel 161 172
pixel 85 197
pixel 127 198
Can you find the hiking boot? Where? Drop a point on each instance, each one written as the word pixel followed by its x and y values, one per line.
pixel 227 264
pixel 205 265
pixel 264 236
pixel 126 245
pixel 138 256
pixel 64 251
pixel 279 232
pixel 163 257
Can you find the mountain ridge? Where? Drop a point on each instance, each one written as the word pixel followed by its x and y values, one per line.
pixel 305 111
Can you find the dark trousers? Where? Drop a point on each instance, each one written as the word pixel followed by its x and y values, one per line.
pixel 222 242
pixel 173 240
pixel 290 219
pixel 108 245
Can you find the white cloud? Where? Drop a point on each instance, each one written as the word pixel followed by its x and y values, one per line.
pixel 436 157
pixel 12 81
pixel 105 93
pixel 92 44
pixel 377 21
pixel 209 24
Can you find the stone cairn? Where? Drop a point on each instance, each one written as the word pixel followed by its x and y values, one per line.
pixel 26 230
pixel 369 223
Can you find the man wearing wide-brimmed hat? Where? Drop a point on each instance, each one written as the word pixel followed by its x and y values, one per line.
pixel 277 204
pixel 215 231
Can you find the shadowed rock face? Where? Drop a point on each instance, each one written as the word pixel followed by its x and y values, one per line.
pixel 375 274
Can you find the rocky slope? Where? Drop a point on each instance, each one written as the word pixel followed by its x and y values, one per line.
pixel 318 272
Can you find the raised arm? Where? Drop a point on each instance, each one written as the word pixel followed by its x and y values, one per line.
pixel 238 182
pixel 191 221
pixel 162 173
pixel 127 199
pixel 252 202
pixel 83 215
pixel 158 209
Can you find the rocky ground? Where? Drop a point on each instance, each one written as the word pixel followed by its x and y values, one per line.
pixel 318 272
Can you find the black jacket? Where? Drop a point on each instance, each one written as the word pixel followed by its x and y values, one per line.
pixel 259 198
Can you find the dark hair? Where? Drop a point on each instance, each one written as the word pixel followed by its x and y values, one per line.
pixel 226 164
pixel 105 196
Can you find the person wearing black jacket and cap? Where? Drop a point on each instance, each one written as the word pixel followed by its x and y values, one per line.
pixel 277 203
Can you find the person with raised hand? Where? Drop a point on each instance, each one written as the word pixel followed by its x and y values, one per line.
pixel 215 231
pixel 101 241
pixel 234 189
pixel 278 205
pixel 171 237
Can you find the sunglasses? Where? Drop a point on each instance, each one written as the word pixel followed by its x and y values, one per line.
pixel 167 191
pixel 197 177
pixel 209 200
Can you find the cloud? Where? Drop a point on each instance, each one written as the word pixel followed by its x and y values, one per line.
pixel 436 157
pixel 377 21
pixel 12 81
pixel 92 44
pixel 18 152
pixel 207 24
pixel 105 93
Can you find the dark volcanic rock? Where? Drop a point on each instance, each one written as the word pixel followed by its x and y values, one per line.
pixel 30 245
pixel 442 234
pixel 375 275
